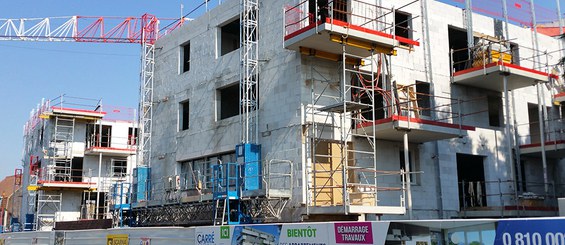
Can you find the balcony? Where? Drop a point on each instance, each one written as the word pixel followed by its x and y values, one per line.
pixel 56 177
pixel 529 139
pixel 109 145
pixel 487 64
pixel 482 199
pixel 323 29
pixel 411 112
pixel 559 97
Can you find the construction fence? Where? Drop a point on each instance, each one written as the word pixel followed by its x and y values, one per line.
pixel 483 231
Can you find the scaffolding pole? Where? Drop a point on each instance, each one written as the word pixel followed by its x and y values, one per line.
pixel 249 78
pixel 407 172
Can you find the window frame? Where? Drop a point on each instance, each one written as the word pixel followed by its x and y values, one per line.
pixel 184 116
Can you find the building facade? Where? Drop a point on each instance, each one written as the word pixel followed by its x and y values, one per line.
pixel 357 111
pixel 77 154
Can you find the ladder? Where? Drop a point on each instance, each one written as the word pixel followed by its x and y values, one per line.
pixel 220 211
pixel 62 142
pixel 408 100
pixel 48 207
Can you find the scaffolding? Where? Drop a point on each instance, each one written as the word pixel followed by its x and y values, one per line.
pixel 249 73
pixel 341 141
pixel 48 208
pixel 215 196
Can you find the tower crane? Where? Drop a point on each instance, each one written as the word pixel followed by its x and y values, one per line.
pixel 142 30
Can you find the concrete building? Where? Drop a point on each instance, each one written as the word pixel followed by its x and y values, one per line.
pixel 75 154
pixel 355 111
pixel 11 189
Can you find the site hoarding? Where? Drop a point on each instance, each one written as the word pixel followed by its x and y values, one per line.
pixel 530 232
pixel 549 231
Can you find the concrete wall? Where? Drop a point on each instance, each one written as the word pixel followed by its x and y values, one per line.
pixel 284 93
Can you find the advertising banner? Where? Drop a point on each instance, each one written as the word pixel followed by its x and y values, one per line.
pixel 305 234
pixel 530 232
pixel 256 234
pixel 117 239
pixel 214 235
pixel 353 233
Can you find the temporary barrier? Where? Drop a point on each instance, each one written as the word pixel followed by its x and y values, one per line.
pixel 477 231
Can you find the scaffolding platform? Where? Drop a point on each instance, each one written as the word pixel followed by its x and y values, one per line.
pixel 356 209
pixel 553 149
pixel 327 37
pixel 341 108
pixel 364 27
pixel 78 113
pixel 110 151
pixel 50 185
pixel 421 130
pixel 491 76
pixel 559 97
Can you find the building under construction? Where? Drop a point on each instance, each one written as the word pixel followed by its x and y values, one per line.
pixel 76 153
pixel 310 110
pixel 287 111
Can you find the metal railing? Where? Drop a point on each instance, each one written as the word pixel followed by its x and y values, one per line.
pixel 486 52
pixel 65 101
pixel 362 14
pixel 499 193
pixel 109 141
pixel 199 184
pixel 529 133
pixel 52 173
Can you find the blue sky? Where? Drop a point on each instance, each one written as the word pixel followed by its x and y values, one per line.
pixel 30 71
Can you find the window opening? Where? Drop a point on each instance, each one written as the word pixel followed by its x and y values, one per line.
pixel 185 49
pixel 184 115
pixel 229 37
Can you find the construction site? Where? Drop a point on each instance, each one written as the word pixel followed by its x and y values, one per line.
pixel 346 114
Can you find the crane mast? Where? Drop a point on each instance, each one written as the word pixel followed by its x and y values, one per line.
pixel 249 77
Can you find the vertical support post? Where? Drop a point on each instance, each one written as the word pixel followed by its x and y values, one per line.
pixel 374 82
pixel 535 38
pixel 407 172
pixel 315 17
pixel 344 153
pixel 542 137
pixel 500 197
pixel 560 27
pixel 249 53
pixel 516 143
pixel 469 22
pixel 506 31
pixel 98 185
pixel 146 104
pixel 508 133
pixel 451 64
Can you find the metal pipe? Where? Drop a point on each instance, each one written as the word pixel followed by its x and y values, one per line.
pixel 505 13
pixel 535 39
pixel 542 137
pixel 98 184
pixel 98 187
pixel 429 77
pixel 407 173
pixel 560 27
pixel 508 133
pixel 373 115
pixel 516 143
pixel 343 136
pixel 469 22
